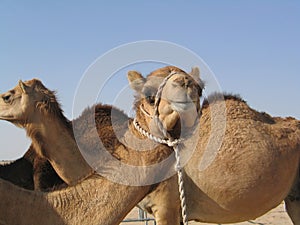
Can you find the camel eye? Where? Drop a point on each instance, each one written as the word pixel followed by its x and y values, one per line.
pixel 150 99
pixel 6 98
pixel 149 94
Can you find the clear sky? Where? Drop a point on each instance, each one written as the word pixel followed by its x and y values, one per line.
pixel 252 47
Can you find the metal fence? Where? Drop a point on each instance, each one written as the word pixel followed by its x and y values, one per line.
pixel 142 217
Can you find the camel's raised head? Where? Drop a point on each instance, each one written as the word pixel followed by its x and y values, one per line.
pixel 168 96
pixel 26 101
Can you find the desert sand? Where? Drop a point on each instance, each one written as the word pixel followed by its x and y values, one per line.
pixel 277 216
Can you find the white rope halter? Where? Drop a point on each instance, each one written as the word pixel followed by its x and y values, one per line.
pixel 156 104
pixel 170 142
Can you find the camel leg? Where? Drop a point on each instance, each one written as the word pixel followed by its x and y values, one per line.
pixel 163 202
pixel 292 202
pixel 167 216
pixel 293 210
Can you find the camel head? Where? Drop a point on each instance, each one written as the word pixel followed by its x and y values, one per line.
pixel 176 108
pixel 32 106
pixel 27 101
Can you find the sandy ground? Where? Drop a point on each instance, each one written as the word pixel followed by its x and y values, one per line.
pixel 277 216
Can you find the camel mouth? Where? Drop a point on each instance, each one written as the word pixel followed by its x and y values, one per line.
pixel 10 118
pixel 182 106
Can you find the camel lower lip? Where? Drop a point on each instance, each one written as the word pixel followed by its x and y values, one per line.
pixel 183 103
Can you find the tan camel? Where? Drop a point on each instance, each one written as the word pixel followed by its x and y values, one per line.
pixel 255 169
pixel 31 106
pixel 94 200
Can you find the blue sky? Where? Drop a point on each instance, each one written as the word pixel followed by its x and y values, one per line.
pixel 251 46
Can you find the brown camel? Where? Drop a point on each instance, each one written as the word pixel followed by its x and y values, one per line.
pixel 31 172
pixel 94 200
pixel 255 169
pixel 19 172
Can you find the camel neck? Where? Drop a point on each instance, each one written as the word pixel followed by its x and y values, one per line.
pixel 54 141
pixel 50 133
pixel 92 202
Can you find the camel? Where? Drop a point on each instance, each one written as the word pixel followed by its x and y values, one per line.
pixel 31 172
pixel 37 110
pixel 45 177
pixel 255 169
pixel 19 172
pixel 90 198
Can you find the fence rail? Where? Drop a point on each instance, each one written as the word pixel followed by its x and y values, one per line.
pixel 142 217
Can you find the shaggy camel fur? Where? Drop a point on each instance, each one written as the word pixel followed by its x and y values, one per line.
pixel 74 205
pixel 255 169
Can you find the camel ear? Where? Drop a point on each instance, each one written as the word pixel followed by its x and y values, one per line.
pixel 195 72
pixel 24 88
pixel 136 80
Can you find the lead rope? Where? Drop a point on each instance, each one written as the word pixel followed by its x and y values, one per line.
pixel 178 167
pixel 173 144
pixel 180 185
